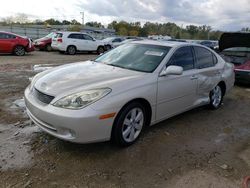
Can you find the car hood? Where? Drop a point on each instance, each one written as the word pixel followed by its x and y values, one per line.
pixel 81 76
pixel 44 39
pixel 230 40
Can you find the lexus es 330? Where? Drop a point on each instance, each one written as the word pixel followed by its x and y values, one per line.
pixel 122 91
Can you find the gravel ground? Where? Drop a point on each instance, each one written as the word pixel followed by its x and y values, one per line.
pixel 200 148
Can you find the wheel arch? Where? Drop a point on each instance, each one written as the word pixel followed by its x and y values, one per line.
pixel 142 101
pixel 223 86
pixel 71 45
pixel 14 47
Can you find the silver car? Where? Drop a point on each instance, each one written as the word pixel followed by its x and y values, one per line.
pixel 126 89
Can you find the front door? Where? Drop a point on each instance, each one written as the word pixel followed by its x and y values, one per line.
pixel 177 93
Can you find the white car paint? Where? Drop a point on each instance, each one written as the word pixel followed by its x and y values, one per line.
pixel 167 95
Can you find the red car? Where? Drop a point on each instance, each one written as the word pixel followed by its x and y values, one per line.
pixel 235 48
pixel 45 42
pixel 12 43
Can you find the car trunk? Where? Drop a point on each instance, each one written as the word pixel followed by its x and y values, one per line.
pixel 235 48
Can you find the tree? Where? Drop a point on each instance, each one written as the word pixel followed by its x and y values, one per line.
pixel 66 22
pixel 94 24
pixel 192 30
pixel 52 21
pixel 74 28
pixel 133 33
pixel 75 22
pixel 123 31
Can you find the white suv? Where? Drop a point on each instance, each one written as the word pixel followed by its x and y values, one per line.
pixel 72 42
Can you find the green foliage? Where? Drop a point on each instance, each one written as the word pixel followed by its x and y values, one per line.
pixel 95 24
pixel 74 28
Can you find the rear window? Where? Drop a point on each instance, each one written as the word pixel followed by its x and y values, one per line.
pixel 58 35
pixel 204 58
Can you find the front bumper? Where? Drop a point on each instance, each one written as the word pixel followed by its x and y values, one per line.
pixel 80 126
pixel 242 76
pixel 30 49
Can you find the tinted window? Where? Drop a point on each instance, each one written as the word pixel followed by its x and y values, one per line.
pixel 117 40
pixel 2 36
pixel 75 36
pixel 183 57
pixel 6 36
pixel 204 58
pixel 87 37
pixel 58 35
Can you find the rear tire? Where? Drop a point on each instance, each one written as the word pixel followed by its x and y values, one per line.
pixel 100 50
pixel 216 97
pixel 71 50
pixel 129 124
pixel 19 51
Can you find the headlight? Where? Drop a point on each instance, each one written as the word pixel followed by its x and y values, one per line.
pixel 82 99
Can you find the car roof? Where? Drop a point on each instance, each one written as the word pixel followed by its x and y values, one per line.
pixel 6 32
pixel 166 43
pixel 69 32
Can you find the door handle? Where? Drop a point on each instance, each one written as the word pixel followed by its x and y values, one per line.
pixel 194 77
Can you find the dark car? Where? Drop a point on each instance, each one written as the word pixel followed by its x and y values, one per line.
pixel 45 42
pixel 12 43
pixel 235 48
pixel 210 44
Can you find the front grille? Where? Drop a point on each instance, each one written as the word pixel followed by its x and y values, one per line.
pixel 43 97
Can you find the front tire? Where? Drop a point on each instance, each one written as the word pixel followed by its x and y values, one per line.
pixel 19 51
pixel 216 97
pixel 129 124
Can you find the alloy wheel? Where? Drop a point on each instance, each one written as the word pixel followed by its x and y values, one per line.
pixel 132 124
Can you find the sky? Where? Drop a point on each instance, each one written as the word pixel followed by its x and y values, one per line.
pixel 226 15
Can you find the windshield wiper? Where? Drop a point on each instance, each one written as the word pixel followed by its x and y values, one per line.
pixel 115 65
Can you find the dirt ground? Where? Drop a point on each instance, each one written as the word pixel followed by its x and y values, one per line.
pixel 198 149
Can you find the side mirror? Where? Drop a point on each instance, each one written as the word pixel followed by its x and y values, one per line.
pixel 172 70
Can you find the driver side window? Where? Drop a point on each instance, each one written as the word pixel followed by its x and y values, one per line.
pixel 183 57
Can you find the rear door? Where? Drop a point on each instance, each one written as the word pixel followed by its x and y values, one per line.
pixel 177 93
pixel 7 42
pixel 91 44
pixel 77 40
pixel 208 69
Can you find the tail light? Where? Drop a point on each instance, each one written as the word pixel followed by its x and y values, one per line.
pixel 59 40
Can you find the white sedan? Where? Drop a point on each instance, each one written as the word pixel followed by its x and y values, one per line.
pixel 126 89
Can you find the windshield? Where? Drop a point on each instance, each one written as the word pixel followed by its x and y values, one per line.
pixel 139 57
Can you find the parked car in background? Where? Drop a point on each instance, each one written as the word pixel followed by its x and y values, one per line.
pixel 73 42
pixel 175 40
pixel 112 42
pixel 210 44
pixel 235 48
pixel 15 44
pixel 45 42
pixel 126 89
pixel 128 41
